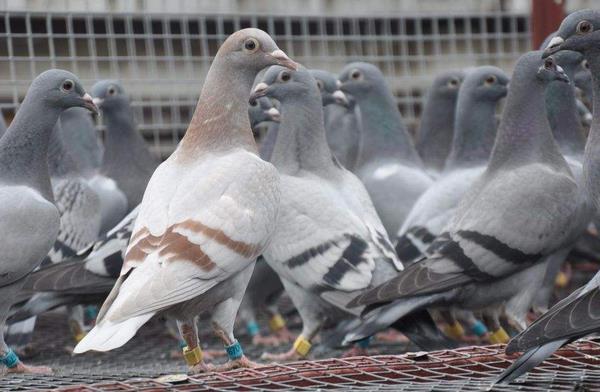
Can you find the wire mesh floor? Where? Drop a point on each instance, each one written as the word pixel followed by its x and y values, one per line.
pixel 138 365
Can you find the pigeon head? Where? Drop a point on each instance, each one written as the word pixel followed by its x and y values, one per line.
pixel 61 89
pixel 579 31
pixel 447 84
pixel 549 71
pixel 329 87
pixel 262 110
pixel 583 78
pixel 284 84
pixel 487 83
pixel 109 94
pixel 358 79
pixel 569 60
pixel 252 49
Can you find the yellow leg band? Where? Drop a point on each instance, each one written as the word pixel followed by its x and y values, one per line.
pixel 499 336
pixel 276 323
pixel 302 346
pixel 79 336
pixel 561 280
pixel 192 357
pixel 455 331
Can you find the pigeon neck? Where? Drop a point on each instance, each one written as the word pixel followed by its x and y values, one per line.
pixel 561 108
pixel 122 141
pixel 524 135
pixel 384 134
pixel 591 161
pixel 79 129
pixel 220 121
pixel 24 147
pixel 436 130
pixel 474 135
pixel 301 142
pixel 268 144
pixel 60 161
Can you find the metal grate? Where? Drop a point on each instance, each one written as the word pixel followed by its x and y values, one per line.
pixel 575 368
pixel 162 58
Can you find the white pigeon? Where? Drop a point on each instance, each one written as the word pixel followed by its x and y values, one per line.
pixel 207 213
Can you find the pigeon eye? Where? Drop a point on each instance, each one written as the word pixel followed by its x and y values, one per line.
pixel 584 27
pixel 284 76
pixel 67 85
pixel 355 74
pixel 549 63
pixel 585 64
pixel 490 80
pixel 320 85
pixel 253 103
pixel 453 82
pixel 250 45
pixel 112 90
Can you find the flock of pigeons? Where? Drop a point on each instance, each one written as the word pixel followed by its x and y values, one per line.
pixel 466 228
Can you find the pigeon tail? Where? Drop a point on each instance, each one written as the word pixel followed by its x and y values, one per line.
pixel 529 360
pixel 109 335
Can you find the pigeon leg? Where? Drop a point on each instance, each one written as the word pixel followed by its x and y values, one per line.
pixel 312 320
pixel 223 320
pixel 192 352
pixel 492 322
pixel 278 326
pixel 8 358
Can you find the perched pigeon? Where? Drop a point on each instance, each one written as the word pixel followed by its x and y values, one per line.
pixel 30 220
pixel 126 159
pixel 208 211
pixel 388 165
pixel 329 243
pixel 81 141
pixel 475 131
pixel 576 315
pixel 434 137
pixel 342 126
pixel 520 211
pixel 474 134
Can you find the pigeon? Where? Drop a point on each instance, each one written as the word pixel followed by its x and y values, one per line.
pixel 388 165
pixel 78 129
pixel 574 316
pixel 126 159
pixel 434 137
pixel 520 211
pixel 263 111
pixel 209 210
pixel 475 126
pixel 474 134
pixel 341 119
pixel 329 243
pixel 30 219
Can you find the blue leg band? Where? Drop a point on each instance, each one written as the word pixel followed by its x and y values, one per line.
pixel 364 343
pixel 91 312
pixel 10 359
pixel 252 328
pixel 479 328
pixel 182 344
pixel 234 351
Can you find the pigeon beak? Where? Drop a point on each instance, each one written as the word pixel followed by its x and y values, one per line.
pixel 283 59
pixel 274 114
pixel 340 98
pixel 89 103
pixel 338 84
pixel 98 101
pixel 260 90
pixel 562 76
pixel 553 46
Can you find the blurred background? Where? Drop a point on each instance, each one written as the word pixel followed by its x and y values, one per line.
pixel 161 49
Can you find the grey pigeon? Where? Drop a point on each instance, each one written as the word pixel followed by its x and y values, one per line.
pixel 520 211
pixel 434 137
pixel 342 123
pixel 475 131
pixel 262 111
pixel 207 213
pixel 79 132
pixel 329 243
pixel 127 158
pixel 388 165
pixel 30 220
pixel 576 315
